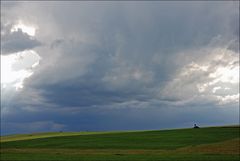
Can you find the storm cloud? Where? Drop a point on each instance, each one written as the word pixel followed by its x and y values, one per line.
pixel 124 65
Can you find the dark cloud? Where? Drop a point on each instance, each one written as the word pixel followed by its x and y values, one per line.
pixel 29 127
pixel 118 65
pixel 17 41
pixel 118 119
pixel 56 43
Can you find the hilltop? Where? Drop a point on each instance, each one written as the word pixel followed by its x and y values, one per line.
pixel 210 143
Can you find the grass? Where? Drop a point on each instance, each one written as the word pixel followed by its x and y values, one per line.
pixel 205 144
pixel 47 135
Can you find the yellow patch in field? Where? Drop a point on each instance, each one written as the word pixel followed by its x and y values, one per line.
pixel 225 147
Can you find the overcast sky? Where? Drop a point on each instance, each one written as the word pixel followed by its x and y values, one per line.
pixel 78 66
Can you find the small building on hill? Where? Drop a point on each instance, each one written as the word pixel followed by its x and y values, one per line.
pixel 195 126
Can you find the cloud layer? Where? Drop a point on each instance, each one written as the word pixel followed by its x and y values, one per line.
pixel 124 65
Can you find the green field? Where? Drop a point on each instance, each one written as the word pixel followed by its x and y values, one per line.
pixel 204 144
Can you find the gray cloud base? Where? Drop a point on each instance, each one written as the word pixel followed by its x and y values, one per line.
pixel 110 62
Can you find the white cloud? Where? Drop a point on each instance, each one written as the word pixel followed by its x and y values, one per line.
pixel 28 29
pixel 16 67
pixel 214 76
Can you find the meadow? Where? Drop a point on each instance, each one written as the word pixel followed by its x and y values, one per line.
pixel 204 144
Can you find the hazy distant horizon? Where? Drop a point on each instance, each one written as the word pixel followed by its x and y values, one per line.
pixel 127 130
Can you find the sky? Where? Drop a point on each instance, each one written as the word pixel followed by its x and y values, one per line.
pixel 96 66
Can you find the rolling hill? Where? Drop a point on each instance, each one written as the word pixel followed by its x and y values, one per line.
pixel 204 144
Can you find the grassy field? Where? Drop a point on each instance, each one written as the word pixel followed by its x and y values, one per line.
pixel 204 144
